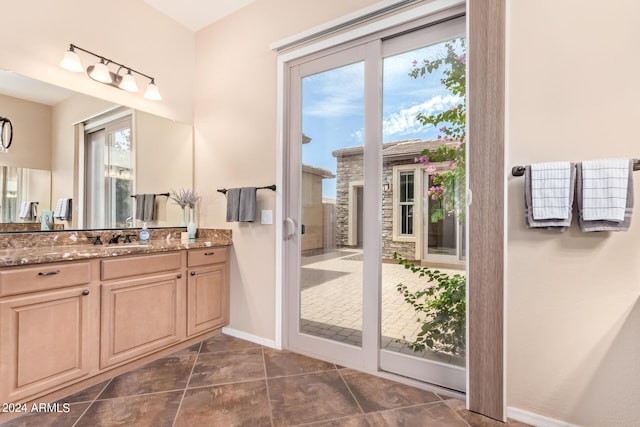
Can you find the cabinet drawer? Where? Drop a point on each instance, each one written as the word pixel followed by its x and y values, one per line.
pixel 138 265
pixel 197 257
pixel 20 280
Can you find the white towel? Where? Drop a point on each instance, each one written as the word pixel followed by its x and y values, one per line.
pixel 550 190
pixel 57 213
pixel 604 189
pixel 24 209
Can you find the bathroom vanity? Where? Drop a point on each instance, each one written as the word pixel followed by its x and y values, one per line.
pixel 72 313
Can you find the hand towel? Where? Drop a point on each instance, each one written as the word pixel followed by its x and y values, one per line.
pixel 233 204
pixel 550 224
pixel 57 212
pixel 24 210
pixel 140 207
pixel 550 188
pixel 65 211
pixel 604 225
pixel 149 207
pixel 247 210
pixel 604 189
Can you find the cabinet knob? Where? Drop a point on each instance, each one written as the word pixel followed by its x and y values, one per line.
pixel 209 253
pixel 85 292
pixel 193 273
pixel 179 276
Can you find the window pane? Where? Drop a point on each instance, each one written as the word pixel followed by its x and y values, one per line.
pixel 407 219
pixel 406 187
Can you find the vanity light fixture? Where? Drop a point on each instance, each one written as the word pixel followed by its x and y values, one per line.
pixel 101 73
pixel 6 134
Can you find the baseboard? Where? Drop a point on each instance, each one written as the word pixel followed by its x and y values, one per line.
pixel 535 419
pixel 249 337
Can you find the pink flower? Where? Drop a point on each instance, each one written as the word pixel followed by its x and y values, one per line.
pixel 443 128
pixel 452 164
pixel 431 169
pixel 415 62
pixel 462 59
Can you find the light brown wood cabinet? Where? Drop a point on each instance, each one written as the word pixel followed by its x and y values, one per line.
pixel 61 323
pixel 207 290
pixel 45 336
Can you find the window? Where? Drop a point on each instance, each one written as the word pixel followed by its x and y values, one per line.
pixel 406 201
pixel 109 173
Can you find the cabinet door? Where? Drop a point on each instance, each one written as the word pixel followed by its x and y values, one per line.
pixel 139 316
pixel 43 341
pixel 207 299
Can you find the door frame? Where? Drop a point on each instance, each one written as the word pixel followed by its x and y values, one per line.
pixel 486 31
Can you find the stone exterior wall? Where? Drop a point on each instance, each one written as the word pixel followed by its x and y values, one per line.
pixel 350 169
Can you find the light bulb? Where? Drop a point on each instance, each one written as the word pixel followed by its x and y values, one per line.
pixel 71 61
pixel 128 83
pixel 152 92
pixel 101 73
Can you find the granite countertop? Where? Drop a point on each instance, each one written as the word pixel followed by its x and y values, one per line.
pixel 44 254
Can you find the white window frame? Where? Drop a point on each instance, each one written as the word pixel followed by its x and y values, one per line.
pixel 417 207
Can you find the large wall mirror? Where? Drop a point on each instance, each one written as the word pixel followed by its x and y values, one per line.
pixel 103 157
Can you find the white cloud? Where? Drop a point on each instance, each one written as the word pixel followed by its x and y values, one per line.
pixel 404 121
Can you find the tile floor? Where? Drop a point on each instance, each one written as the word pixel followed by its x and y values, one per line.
pixel 225 381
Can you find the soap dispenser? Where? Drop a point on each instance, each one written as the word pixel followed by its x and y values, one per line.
pixel 144 233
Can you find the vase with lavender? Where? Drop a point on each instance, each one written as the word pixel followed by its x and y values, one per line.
pixel 184 198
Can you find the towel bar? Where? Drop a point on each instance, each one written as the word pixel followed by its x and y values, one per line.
pixel 268 187
pixel 519 170
pixel 157 194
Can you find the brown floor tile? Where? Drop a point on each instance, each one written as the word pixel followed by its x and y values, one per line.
pixel 224 342
pixel 281 363
pixel 310 398
pixel 243 404
pixel 151 410
pixel 477 420
pixel 193 349
pixel 378 394
pixel 86 395
pixel 227 367
pixel 355 421
pixel 166 374
pixel 429 415
pixel 49 419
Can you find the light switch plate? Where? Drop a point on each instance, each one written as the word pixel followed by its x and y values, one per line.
pixel 266 217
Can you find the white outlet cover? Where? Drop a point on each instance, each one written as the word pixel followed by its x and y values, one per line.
pixel 266 217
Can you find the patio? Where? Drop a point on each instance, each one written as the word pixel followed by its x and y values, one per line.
pixel 331 302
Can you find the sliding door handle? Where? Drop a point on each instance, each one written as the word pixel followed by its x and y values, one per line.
pixel 290 226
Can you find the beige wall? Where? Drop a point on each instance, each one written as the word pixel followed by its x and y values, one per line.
pixel 31 146
pixel 130 32
pixel 572 299
pixel 235 142
pixel 164 162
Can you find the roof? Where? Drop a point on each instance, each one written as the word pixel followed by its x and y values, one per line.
pixel 324 173
pixel 397 149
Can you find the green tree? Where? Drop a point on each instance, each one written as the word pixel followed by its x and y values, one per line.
pixel 448 186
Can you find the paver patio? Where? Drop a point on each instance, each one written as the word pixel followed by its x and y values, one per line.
pixel 331 302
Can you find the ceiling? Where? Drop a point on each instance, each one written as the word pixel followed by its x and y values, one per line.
pixel 197 14
pixel 193 14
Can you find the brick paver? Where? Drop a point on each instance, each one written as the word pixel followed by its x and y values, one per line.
pixel 331 302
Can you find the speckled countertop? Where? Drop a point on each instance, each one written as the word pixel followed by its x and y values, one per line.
pixel 78 251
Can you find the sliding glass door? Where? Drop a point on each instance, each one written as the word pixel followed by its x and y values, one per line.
pixel 355 204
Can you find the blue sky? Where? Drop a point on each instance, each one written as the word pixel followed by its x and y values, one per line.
pixel 333 101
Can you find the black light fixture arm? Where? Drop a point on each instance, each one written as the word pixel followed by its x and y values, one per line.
pixel 107 61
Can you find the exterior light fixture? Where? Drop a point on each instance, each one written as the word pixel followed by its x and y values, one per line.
pixel 101 73
pixel 386 185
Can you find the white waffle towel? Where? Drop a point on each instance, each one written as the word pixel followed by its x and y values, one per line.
pixel 550 189
pixel 604 189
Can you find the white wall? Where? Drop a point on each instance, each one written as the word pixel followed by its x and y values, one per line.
pixel 573 299
pixel 235 141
